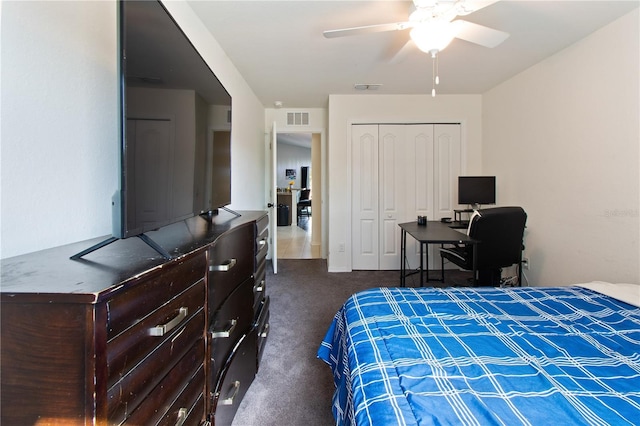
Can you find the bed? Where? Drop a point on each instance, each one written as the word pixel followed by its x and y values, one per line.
pixel 485 356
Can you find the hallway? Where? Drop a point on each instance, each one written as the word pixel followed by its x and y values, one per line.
pixel 294 242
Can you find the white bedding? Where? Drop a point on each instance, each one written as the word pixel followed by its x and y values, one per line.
pixel 629 293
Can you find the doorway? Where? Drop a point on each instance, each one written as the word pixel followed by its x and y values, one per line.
pixel 298 169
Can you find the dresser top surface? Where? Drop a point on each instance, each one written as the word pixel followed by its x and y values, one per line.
pixel 51 273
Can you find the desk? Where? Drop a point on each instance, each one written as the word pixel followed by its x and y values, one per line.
pixel 290 199
pixel 434 233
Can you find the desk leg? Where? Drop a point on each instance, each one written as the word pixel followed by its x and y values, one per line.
pixel 475 267
pixel 426 260
pixel 403 249
pixel 421 263
pixel 442 265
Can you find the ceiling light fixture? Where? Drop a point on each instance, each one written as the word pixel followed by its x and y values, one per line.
pixel 432 37
pixel 433 28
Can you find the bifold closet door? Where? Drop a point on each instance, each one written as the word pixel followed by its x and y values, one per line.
pixel 364 197
pixel 395 171
pixel 392 182
pixel 420 187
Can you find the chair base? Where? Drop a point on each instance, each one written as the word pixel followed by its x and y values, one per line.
pixel 489 277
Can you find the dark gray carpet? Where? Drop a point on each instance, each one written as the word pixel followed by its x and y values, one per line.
pixel 293 387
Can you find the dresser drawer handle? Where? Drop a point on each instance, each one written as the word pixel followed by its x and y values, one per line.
pixel 262 242
pixel 235 390
pixel 161 330
pixel 225 333
pixel 259 287
pixel 265 331
pixel 182 416
pixel 225 266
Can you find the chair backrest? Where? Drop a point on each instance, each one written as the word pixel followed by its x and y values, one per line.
pixel 500 231
pixel 305 194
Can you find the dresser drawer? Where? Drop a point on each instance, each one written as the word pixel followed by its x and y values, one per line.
pixel 194 414
pixel 259 287
pixel 262 247
pixel 231 262
pixel 133 305
pixel 127 351
pixel 133 386
pixel 235 380
pixel 262 328
pixel 262 224
pixel 229 323
pixel 178 397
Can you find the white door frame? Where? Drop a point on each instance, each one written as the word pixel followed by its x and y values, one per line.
pixel 273 196
pixel 318 202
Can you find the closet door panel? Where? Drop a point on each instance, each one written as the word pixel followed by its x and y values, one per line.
pixel 423 165
pixel 364 197
pixel 393 178
pixel 420 186
pixel 447 151
pixel 448 168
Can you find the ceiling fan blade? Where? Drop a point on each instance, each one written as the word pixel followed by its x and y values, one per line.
pixel 479 34
pixel 367 29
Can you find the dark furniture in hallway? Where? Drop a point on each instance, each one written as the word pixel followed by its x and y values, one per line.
pixel 304 204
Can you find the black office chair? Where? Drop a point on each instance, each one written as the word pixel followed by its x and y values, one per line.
pixel 500 231
pixel 304 203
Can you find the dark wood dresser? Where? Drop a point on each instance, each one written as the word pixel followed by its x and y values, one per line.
pixel 123 336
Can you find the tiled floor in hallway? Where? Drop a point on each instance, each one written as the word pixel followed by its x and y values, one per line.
pixel 294 242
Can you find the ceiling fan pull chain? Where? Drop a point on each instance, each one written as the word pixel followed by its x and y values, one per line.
pixel 434 77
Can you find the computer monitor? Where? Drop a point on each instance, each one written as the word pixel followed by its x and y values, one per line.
pixel 476 190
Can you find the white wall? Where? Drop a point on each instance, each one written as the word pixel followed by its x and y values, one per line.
pixel 59 114
pixel 347 109
pixel 563 139
pixel 59 122
pixel 291 157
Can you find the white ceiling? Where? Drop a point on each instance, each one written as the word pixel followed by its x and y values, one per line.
pixel 296 139
pixel 279 48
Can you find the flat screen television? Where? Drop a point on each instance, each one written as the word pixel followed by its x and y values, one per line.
pixel 476 190
pixel 175 139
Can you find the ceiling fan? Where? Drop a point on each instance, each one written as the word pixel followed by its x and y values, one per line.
pixel 433 27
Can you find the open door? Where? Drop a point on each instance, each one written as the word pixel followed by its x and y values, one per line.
pixel 273 198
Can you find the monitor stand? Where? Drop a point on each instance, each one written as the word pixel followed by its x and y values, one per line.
pixel 108 241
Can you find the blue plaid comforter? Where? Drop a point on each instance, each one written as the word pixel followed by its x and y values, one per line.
pixel 484 356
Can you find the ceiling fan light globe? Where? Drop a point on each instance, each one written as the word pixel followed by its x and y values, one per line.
pixel 424 3
pixel 433 36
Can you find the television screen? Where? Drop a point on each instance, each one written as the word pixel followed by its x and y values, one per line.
pixel 476 190
pixel 176 124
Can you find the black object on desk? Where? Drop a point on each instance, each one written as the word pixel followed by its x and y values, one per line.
pixel 434 233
